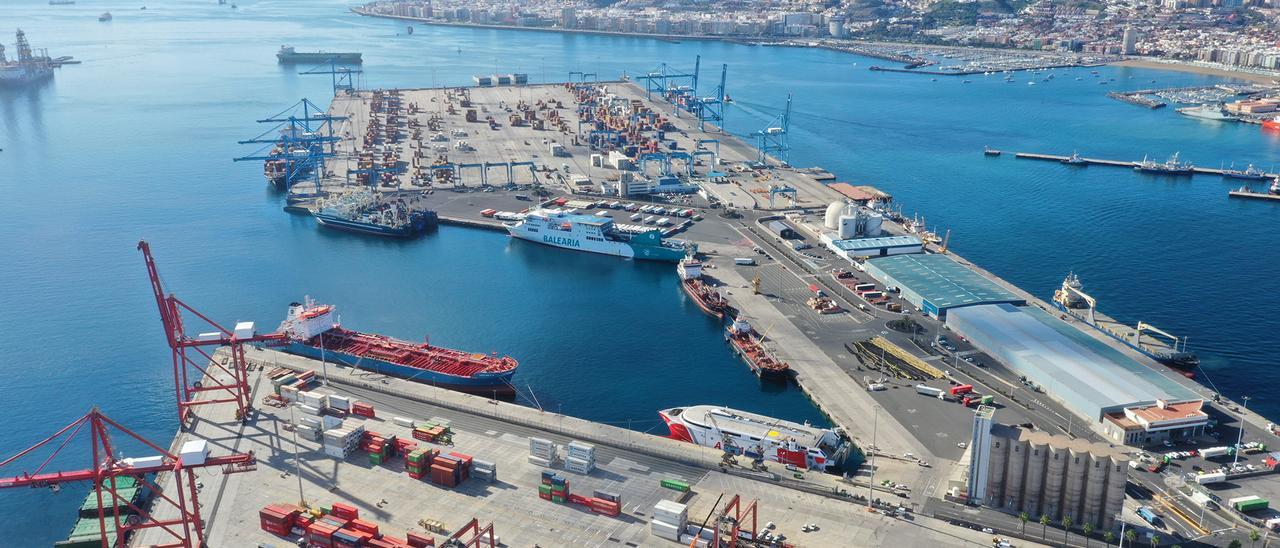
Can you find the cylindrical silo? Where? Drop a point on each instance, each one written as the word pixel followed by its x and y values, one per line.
pixel 1095 489
pixel 997 472
pixel 1054 474
pixel 832 219
pixel 1117 476
pixel 1077 467
pixel 1017 471
pixel 1034 486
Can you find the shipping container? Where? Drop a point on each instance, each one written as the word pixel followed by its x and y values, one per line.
pixel 676 485
pixel 929 391
pixel 1252 505
pixel 744 261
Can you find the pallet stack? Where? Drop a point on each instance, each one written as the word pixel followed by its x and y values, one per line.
pixel 542 452
pixel 581 458
pixel 669 520
pixel 554 488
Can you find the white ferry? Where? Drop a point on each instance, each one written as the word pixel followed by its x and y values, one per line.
pixel 757 436
pixel 594 234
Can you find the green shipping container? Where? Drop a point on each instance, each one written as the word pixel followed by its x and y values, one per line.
pixel 1251 505
pixel 675 485
pixel 544 489
pixel 557 499
pixel 986 400
pixel 87 533
pixel 375 459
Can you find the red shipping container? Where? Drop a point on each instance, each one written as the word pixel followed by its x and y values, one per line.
pixel 393 542
pixel 321 533
pixel 544 496
pixel 419 540
pixel 579 499
pixel 415 475
pixel 345 511
pixel 362 525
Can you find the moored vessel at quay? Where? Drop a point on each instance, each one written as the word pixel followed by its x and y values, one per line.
pixel 313 331
pixel 758 437
pixel 596 235
pixel 363 212
pixel 707 298
pixel 748 344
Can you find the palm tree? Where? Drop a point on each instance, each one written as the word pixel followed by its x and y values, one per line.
pixel 1235 543
pixel 1023 517
pixel 1044 523
pixel 1131 536
pixel 1253 537
pixel 1066 528
pixel 1088 532
pixel 1155 541
pixel 1109 537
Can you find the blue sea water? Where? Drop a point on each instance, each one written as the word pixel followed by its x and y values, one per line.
pixel 136 143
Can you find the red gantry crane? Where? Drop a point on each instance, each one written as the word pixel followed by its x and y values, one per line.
pixel 176 513
pixel 191 352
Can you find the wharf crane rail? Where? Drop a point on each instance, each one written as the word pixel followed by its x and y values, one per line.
pixel 1117 163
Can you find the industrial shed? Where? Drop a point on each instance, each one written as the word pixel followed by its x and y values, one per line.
pixel 876 247
pixel 1087 376
pixel 936 283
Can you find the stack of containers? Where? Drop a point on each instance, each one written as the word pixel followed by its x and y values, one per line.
pixel 416 463
pixel 465 466
pixel 581 458
pixel 379 448
pixel 404 446
pixel 322 531
pixel 362 409
pixel 305 409
pixel 541 452
pixel 604 502
pixel 554 488
pixel 484 470
pixel 340 442
pixel 431 431
pixel 329 422
pixel 289 393
pixel 278 518
pixel 669 519
pixel 308 427
pixel 446 471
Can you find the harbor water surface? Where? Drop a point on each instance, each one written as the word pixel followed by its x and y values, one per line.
pixel 136 143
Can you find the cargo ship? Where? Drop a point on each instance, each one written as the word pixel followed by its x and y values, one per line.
pixel 1271 123
pixel 758 437
pixel 1071 298
pixel 703 295
pixel 27 68
pixel 313 331
pixel 596 235
pixel 288 55
pixel 747 343
pixel 364 213
pixel 1172 166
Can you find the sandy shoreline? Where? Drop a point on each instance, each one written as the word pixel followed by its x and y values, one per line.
pixel 1184 67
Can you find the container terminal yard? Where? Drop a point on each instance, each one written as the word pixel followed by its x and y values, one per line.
pixel 910 350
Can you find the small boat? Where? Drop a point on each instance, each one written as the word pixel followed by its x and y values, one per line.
pixel 1271 123
pixel 988 151
pixel 410 30
pixel 105 17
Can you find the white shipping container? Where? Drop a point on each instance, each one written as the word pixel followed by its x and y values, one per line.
pixel 304 408
pixel 1212 477
pixel 339 402
pixel 671 512
pixel 289 394
pixel 664 530
pixel 194 451
pixel 539 461
pixel 244 330
pixel 477 464
pixel 304 420
pixel 401 421
pixel 144 462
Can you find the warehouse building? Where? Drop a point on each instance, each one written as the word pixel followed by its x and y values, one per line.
pixel 936 283
pixel 782 230
pixel 885 246
pixel 1122 399
pixel 1045 474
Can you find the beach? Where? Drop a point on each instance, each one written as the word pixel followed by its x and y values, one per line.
pixel 1196 69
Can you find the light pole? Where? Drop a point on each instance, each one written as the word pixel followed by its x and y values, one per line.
pixel 871 483
pixel 297 463
pixel 1240 436
pixel 1120 516
pixel 324 365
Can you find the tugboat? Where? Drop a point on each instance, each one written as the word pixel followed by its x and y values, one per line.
pixel 747 343
pixel 988 151
pixel 706 297
pixel 1075 159
pixel 1172 166
pixel 106 16
pixel 1250 173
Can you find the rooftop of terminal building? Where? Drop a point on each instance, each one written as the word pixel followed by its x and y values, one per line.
pixel 1090 377
pixel 877 242
pixel 940 281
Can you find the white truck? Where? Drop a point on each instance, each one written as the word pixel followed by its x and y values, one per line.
pixel 930 391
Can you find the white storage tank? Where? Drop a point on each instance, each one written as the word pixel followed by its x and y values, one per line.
pixel 832 219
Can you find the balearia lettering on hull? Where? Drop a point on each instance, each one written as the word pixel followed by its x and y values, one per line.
pixel 557 240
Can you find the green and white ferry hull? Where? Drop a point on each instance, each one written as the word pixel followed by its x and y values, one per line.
pixel 595 235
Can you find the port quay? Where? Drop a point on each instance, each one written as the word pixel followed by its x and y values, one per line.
pixel 970 401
